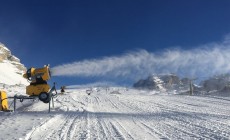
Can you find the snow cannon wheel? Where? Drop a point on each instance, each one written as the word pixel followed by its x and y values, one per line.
pixel 44 97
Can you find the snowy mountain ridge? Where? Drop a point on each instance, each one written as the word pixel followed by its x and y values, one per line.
pixel 216 85
pixel 158 82
pixel 11 69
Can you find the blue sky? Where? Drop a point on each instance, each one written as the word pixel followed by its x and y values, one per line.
pixel 59 32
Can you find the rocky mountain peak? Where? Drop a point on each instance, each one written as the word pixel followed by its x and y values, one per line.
pixel 159 82
pixel 5 55
pixel 11 69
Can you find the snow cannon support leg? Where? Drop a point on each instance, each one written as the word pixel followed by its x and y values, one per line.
pixel 4 102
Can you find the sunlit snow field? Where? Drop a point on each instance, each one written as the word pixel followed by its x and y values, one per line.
pixel 120 113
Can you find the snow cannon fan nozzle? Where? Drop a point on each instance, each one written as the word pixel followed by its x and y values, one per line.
pixel 38 78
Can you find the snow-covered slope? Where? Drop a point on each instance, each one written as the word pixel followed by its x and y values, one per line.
pixel 131 114
pixel 11 69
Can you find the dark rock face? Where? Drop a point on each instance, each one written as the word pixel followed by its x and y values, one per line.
pixel 4 53
pixel 213 84
pixel 170 80
pixel 226 89
pixel 146 84
pixel 217 83
pixel 185 81
pixel 159 82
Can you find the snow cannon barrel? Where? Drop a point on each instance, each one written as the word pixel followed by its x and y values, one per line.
pixel 34 74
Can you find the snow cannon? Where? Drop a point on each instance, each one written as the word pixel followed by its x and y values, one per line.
pixel 63 89
pixel 38 78
pixel 4 101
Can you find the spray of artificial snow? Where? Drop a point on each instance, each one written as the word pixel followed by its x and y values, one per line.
pixel 208 60
pixel 96 84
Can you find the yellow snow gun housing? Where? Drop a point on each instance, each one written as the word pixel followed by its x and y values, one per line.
pixel 38 78
pixel 4 101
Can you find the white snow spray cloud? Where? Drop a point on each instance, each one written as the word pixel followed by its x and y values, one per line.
pixel 96 84
pixel 205 60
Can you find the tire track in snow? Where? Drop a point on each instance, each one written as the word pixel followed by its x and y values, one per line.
pixel 121 107
pixel 104 133
pixel 203 127
pixel 153 131
pixel 46 129
pixel 195 128
pixel 166 118
pixel 115 132
pixel 165 124
pixel 62 128
pixel 95 128
pixel 99 129
pixel 69 127
pixel 81 129
pixel 124 132
pixel 72 128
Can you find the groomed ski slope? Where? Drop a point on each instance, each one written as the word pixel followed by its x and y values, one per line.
pixel 129 115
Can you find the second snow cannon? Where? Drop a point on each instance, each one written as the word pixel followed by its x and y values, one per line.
pixel 38 78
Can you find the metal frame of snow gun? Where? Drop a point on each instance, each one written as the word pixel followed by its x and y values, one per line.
pixel 51 95
pixel 49 98
pixel 21 98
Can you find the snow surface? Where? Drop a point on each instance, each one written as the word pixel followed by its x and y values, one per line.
pixel 4 47
pixel 10 75
pixel 131 114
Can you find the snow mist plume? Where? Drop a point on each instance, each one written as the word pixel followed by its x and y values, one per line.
pixel 90 85
pixel 206 61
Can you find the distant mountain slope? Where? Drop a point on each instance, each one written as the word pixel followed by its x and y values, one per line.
pixel 11 70
pixel 160 82
pixel 216 85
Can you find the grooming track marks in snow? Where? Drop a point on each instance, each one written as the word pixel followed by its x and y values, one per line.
pixel 129 115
